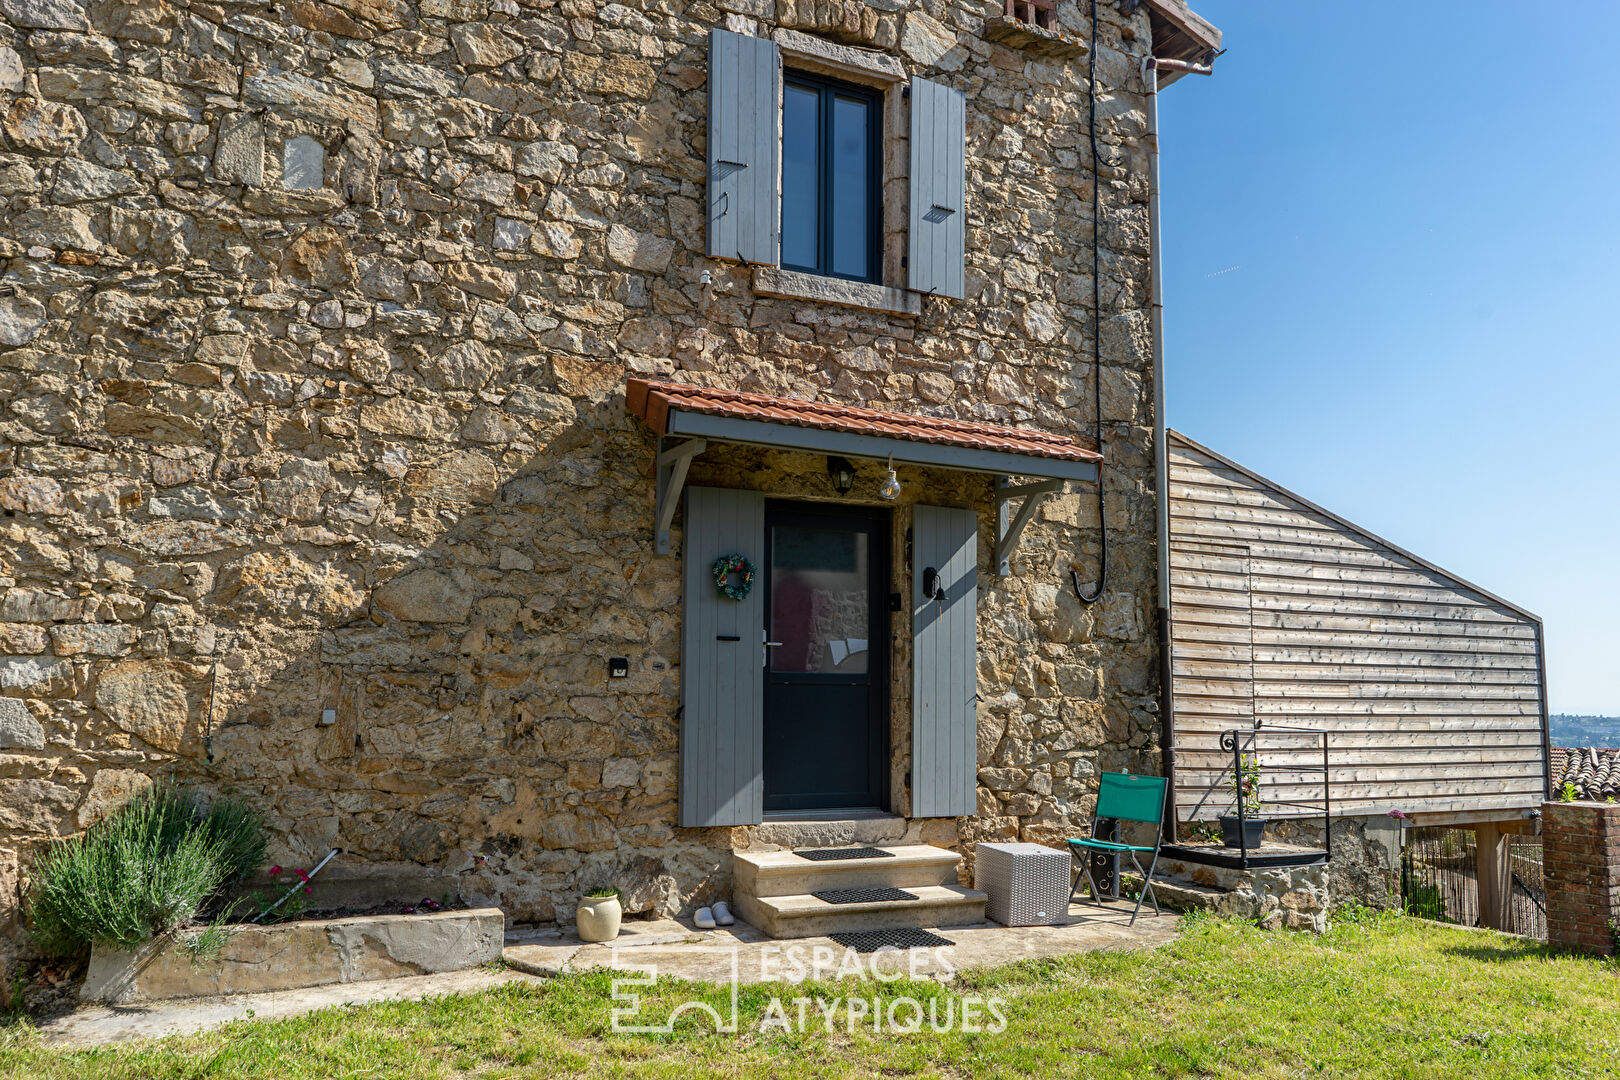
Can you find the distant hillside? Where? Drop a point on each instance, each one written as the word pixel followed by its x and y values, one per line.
pixel 1585 730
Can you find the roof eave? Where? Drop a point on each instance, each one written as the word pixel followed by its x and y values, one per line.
pixel 1179 33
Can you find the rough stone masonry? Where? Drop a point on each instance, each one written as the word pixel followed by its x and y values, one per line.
pixel 314 325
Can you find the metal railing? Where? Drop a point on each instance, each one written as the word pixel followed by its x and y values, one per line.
pixel 1233 741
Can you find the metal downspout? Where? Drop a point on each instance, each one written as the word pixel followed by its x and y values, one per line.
pixel 1161 460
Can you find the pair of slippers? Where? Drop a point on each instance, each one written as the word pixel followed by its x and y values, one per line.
pixel 709 918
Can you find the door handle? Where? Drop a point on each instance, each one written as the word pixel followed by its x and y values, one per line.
pixel 773 644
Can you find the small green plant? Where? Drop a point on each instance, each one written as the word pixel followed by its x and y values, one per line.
pixel 1425 901
pixel 1567 793
pixel 145 871
pixel 1203 830
pixel 603 893
pixel 284 904
pixel 204 946
pixel 1245 786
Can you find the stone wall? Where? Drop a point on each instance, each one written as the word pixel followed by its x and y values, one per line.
pixel 1366 864
pixel 1580 844
pixel 1273 898
pixel 314 324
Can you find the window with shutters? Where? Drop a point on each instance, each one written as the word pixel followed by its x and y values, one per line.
pixel 832 153
pixel 804 186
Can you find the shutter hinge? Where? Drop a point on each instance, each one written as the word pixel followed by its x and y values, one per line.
pixel 896 602
pixel 905 262
pixel 905 91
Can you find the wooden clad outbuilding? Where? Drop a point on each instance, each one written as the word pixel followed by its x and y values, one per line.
pixel 1432 690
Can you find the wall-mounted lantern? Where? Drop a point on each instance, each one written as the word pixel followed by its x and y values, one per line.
pixel 842 473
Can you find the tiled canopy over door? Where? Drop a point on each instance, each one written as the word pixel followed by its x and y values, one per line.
pixel 722 676
pixel 944 724
pixel 745 104
pixel 938 191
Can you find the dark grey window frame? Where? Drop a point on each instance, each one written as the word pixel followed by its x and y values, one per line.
pixel 828 89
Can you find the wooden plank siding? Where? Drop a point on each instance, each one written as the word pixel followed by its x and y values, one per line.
pixel 1284 614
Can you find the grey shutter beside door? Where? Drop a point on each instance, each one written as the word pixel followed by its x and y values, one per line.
pixel 938 188
pixel 745 108
pixel 945 663
pixel 722 681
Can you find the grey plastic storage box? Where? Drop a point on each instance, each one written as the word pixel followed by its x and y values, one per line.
pixel 1026 884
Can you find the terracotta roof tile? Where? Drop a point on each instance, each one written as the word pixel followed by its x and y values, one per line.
pixel 1594 771
pixel 653 402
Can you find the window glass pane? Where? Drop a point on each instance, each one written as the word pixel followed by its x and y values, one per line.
pixel 851 186
pixel 820 610
pixel 801 166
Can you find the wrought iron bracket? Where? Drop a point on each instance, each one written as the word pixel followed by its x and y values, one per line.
pixel 674 458
pixel 1010 526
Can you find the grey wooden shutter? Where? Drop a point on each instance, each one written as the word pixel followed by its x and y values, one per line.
pixel 745 114
pixel 944 659
pixel 938 188
pixel 722 674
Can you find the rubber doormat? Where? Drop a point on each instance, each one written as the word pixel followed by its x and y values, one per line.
pixel 822 854
pixel 905 937
pixel 862 896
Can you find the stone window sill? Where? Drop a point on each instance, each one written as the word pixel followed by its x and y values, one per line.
pixel 793 285
pixel 1017 34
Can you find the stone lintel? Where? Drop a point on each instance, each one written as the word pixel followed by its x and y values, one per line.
pixel 828 58
pixel 793 285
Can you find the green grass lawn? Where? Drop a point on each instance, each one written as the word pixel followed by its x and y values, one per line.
pixel 1376 997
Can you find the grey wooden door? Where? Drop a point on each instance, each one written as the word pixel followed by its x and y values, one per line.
pixel 722 670
pixel 944 613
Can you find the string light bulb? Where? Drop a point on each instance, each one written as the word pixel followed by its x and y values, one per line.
pixel 891 483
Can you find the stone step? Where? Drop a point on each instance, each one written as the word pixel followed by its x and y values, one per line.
pixel 782 873
pixel 803 915
pixel 1179 896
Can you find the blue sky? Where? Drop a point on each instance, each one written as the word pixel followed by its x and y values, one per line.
pixel 1392 281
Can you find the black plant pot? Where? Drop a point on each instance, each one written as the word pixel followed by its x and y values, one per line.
pixel 1253 829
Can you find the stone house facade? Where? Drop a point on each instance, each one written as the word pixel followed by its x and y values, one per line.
pixel 318 478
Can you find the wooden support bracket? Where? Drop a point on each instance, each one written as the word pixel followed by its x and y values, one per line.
pixel 673 461
pixel 1010 527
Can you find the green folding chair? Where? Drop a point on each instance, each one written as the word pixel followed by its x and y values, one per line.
pixel 1123 797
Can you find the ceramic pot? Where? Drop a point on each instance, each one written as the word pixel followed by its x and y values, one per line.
pixel 598 918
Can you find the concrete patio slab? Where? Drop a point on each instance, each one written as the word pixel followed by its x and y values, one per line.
pixel 676 950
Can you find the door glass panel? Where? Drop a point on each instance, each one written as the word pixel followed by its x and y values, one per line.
pixel 820 610
pixel 851 185
pixel 801 165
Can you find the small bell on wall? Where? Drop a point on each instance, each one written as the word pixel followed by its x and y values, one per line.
pixel 891 483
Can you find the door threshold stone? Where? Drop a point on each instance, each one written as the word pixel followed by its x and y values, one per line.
pixel 848 829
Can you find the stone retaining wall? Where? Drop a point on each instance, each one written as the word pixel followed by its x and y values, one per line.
pixel 294 955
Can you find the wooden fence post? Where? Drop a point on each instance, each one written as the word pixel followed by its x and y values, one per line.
pixel 1493 870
